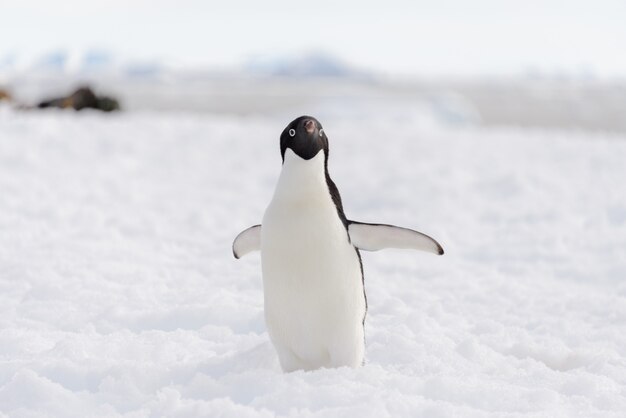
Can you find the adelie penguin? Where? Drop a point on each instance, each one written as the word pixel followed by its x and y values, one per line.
pixel 314 293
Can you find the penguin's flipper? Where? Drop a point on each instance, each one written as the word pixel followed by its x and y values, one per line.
pixel 247 241
pixel 374 237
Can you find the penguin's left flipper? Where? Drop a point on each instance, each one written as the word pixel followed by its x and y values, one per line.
pixel 247 241
pixel 374 237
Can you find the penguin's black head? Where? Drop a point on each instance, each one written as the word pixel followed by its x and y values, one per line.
pixel 306 138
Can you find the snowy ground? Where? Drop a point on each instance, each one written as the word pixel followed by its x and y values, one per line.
pixel 119 295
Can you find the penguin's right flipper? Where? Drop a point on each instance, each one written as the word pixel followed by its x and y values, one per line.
pixel 247 241
pixel 374 237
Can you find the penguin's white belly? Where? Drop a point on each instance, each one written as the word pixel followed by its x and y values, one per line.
pixel 313 290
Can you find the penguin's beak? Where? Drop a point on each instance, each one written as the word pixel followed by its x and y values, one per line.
pixel 309 126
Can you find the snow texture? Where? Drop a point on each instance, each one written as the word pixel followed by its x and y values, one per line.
pixel 120 296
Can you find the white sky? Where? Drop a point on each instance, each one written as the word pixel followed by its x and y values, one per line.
pixel 444 37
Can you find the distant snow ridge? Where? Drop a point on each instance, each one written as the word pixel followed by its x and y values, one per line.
pixel 313 64
pixel 54 61
pixel 97 61
pixel 92 62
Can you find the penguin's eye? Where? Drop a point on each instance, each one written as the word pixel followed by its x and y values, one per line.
pixel 321 132
pixel 292 132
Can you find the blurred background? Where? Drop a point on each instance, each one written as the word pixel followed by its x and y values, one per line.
pixel 554 64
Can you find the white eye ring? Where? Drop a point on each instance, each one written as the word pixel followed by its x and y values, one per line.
pixel 321 132
pixel 292 132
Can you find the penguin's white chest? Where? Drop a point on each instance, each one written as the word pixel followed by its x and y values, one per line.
pixel 313 290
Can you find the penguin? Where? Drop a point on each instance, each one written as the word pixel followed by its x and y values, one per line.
pixel 313 284
pixel 82 98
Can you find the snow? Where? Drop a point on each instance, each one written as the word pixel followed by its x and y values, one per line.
pixel 119 294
